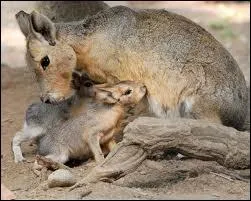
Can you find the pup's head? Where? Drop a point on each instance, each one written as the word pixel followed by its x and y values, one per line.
pixel 52 61
pixel 82 83
pixel 126 93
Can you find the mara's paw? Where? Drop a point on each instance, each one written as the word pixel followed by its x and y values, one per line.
pixel 19 159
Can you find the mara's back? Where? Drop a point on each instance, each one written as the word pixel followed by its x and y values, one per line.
pixel 68 11
pixel 187 72
pixel 178 61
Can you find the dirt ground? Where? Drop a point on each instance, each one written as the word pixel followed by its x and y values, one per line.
pixel 229 23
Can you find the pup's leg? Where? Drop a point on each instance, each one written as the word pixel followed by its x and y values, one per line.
pixel 108 141
pixel 16 148
pixel 27 133
pixel 59 158
pixel 52 161
pixel 94 144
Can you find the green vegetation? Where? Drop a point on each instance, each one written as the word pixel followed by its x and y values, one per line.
pixel 224 28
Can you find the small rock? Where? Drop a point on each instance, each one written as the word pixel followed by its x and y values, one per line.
pixel 61 178
pixel 180 156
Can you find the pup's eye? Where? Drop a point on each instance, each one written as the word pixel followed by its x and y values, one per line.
pixel 45 62
pixel 88 84
pixel 128 92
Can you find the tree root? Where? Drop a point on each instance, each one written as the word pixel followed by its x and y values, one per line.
pixel 194 138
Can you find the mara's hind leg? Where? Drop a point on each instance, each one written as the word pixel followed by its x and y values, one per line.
pixel 200 109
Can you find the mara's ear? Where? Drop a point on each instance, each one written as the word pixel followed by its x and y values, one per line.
pixel 36 23
pixel 43 25
pixel 23 20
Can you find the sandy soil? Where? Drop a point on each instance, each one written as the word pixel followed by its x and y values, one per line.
pixel 229 23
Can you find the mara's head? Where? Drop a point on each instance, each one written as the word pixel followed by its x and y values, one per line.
pixel 125 92
pixel 51 61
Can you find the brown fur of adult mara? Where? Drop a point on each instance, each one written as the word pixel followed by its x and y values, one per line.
pixel 187 72
pixel 68 11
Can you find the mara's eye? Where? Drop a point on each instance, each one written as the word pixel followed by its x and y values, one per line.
pixel 88 84
pixel 128 92
pixel 45 62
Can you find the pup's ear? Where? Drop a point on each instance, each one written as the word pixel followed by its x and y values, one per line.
pixel 23 20
pixel 43 25
pixel 110 100
pixel 105 97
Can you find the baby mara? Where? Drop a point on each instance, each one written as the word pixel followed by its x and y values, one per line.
pixel 79 128
pixel 41 117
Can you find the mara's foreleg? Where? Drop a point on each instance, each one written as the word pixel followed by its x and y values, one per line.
pixel 27 133
pixel 93 141
pixel 97 138
pixel 108 142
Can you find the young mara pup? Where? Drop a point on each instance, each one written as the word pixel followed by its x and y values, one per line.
pixel 42 117
pixel 93 124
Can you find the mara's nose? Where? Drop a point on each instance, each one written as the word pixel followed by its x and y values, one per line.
pixel 45 99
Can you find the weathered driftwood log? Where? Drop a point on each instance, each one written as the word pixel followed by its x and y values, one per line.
pixel 161 173
pixel 246 126
pixel 196 138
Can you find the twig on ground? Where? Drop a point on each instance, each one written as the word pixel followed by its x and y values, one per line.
pixel 223 176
